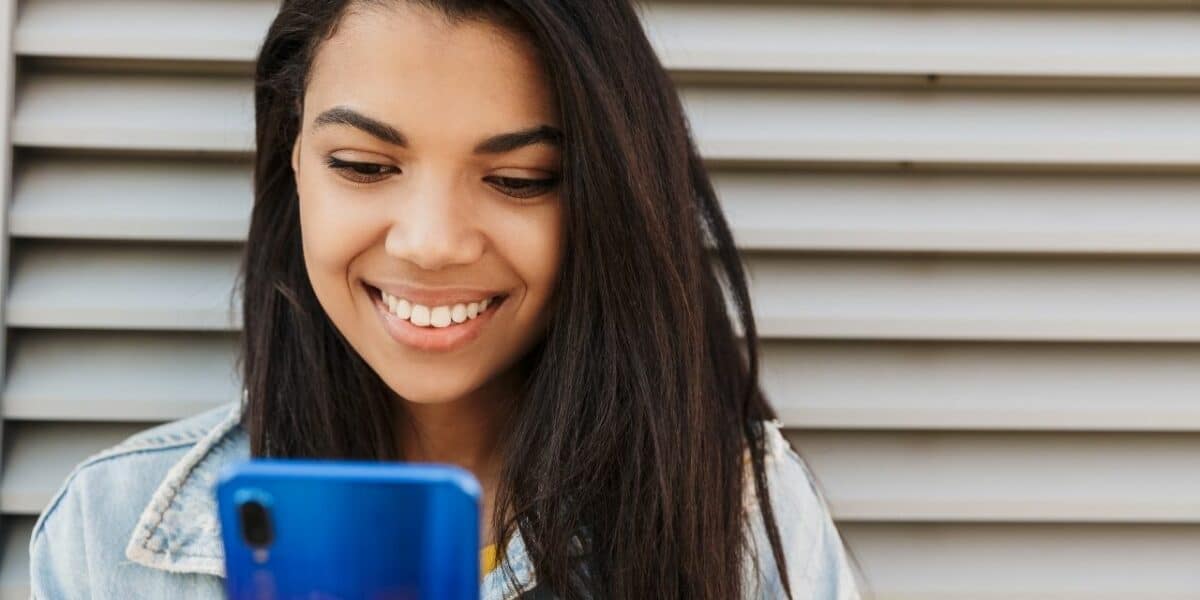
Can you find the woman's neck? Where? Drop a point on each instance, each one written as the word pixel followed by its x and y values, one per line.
pixel 466 431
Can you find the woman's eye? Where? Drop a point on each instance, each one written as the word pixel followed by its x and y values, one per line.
pixel 522 188
pixel 360 172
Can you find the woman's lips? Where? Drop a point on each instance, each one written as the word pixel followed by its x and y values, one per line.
pixel 429 338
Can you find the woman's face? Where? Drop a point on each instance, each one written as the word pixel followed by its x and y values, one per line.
pixel 427 169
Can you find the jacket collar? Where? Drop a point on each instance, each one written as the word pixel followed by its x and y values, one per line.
pixel 178 531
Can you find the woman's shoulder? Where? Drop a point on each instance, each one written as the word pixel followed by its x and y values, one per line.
pixel 136 464
pixel 816 559
pixel 119 509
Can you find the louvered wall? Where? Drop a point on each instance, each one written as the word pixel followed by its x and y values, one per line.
pixel 974 229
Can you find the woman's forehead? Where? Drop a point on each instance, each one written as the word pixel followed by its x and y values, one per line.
pixel 409 62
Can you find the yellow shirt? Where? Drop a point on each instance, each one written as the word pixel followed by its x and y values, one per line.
pixel 487 558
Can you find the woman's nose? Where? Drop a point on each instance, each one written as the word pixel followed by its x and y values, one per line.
pixel 433 227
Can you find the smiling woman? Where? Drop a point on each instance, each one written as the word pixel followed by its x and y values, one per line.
pixel 423 192
pixel 482 235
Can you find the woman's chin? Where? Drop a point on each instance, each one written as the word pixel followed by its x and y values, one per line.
pixel 430 396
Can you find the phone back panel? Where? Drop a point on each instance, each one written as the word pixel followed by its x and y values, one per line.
pixel 352 529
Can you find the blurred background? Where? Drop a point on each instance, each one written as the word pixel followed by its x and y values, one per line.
pixel 973 229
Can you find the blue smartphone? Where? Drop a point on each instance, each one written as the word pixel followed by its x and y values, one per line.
pixel 349 530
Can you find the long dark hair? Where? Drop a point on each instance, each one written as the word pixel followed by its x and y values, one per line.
pixel 640 402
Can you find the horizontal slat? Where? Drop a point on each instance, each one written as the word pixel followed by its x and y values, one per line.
pixel 14 558
pixel 937 385
pixel 950 562
pixel 210 201
pixel 835 38
pixel 1028 298
pixel 130 287
pixel 992 298
pixel 39 456
pixel 982 476
pixel 946 127
pixel 933 562
pixel 149 199
pixel 1030 562
pixel 144 112
pixel 225 30
pixel 152 199
pixel 76 375
pixel 134 112
pixel 917 211
pixel 704 37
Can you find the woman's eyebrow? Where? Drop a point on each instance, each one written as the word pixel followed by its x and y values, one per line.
pixel 507 142
pixel 497 144
pixel 342 115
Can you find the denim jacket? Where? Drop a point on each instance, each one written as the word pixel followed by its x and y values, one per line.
pixel 139 520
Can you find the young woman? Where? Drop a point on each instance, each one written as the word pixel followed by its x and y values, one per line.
pixel 481 235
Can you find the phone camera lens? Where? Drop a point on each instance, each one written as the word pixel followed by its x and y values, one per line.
pixel 256 524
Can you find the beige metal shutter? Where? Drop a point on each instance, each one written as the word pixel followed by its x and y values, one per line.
pixel 973 229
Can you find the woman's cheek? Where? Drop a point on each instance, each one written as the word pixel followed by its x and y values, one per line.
pixel 332 235
pixel 533 247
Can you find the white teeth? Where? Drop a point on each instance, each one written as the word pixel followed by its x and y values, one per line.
pixel 436 316
pixel 440 317
pixel 420 315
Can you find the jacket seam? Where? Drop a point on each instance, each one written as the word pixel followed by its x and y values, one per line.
pixel 128 447
pixel 91 461
pixel 168 489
